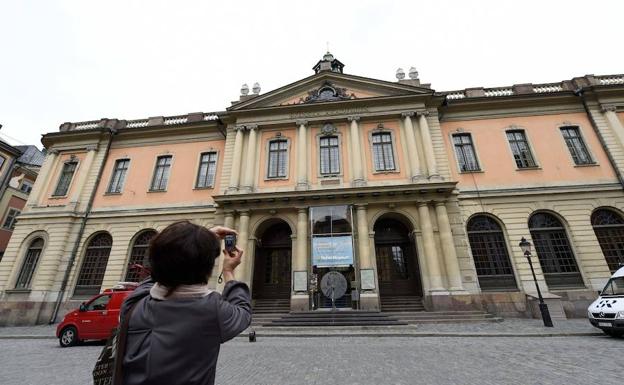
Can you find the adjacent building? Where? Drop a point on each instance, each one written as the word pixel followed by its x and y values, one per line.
pixel 404 191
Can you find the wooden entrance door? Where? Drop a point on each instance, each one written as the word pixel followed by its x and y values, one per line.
pixel 272 269
pixel 397 268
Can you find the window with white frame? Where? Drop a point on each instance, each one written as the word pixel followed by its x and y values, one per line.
pixel 278 158
pixel 329 155
pixel 207 170
pixel 576 145
pixel 67 173
pixel 26 186
pixel 465 152
pixel 11 219
pixel 520 149
pixel 161 173
pixel 119 176
pixel 383 154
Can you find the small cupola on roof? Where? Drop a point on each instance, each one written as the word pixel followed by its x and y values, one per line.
pixel 328 63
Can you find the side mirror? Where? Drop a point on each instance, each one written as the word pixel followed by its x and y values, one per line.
pixel 599 292
pixel 83 307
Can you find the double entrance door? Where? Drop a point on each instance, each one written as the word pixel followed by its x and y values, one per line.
pixel 272 267
pixel 397 269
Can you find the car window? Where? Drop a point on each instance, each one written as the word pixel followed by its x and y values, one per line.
pixel 615 286
pixel 99 303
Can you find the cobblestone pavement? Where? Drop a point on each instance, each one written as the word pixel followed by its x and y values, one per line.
pixel 353 360
pixel 510 325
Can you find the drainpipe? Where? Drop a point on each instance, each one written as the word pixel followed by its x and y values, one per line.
pixel 112 131
pixel 7 176
pixel 581 93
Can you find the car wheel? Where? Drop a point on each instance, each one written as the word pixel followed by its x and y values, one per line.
pixel 69 337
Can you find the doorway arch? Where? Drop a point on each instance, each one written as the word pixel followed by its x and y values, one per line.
pixel 398 273
pixel 272 262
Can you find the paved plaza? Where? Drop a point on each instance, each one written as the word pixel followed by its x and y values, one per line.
pixel 356 360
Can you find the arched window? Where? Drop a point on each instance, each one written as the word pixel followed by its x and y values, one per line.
pixel 554 251
pixel 138 255
pixel 30 264
pixel 94 265
pixel 609 229
pixel 490 254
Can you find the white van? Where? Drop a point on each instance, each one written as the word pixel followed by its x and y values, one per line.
pixel 607 312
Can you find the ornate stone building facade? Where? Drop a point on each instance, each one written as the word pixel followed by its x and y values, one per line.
pixel 404 191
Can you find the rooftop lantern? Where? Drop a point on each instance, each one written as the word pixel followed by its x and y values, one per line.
pixel 328 63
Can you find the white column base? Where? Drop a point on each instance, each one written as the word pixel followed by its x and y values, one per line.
pixel 302 186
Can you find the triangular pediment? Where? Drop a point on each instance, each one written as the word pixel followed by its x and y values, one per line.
pixel 329 87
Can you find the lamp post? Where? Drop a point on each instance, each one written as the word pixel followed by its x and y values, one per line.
pixel 526 249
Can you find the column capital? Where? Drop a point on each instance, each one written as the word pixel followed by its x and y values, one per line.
pixel 407 114
pixel 239 127
pixel 301 122
pixel 608 107
pixel 353 118
pixel 91 147
pixel 244 212
pixel 424 113
pixel 302 210
pixel 53 152
pixel 440 203
pixel 228 213
pixel 422 203
pixel 361 206
pixel 251 127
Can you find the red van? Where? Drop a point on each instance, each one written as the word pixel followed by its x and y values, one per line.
pixel 96 318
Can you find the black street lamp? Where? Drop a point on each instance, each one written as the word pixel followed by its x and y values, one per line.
pixel 526 249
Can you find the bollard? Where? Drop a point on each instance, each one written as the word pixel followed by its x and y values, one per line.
pixel 252 336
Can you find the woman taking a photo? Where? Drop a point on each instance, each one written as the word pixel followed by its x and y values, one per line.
pixel 176 323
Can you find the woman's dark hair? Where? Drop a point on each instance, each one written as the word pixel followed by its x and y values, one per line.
pixel 183 254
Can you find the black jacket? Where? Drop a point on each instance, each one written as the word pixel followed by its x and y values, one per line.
pixel 177 341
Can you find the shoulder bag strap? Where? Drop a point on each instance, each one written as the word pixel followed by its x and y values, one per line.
pixel 122 337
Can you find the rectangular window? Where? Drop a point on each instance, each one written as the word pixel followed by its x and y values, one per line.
pixel 161 173
pixel 207 170
pixel 576 145
pixel 2 160
pixel 278 158
pixel 330 161
pixel 465 152
pixel 26 186
pixel 11 219
pixel 119 176
pixel 383 156
pixel 520 149
pixel 65 179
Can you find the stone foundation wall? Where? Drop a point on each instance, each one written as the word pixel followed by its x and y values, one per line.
pixel 28 313
pixel 510 304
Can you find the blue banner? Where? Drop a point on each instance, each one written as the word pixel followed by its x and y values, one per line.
pixel 332 251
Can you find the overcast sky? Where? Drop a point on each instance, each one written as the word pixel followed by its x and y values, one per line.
pixel 84 60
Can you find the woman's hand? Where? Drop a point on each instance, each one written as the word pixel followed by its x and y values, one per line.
pixel 222 231
pixel 231 259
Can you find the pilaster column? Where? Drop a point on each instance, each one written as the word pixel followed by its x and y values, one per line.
pixel 85 168
pixel 412 149
pixel 448 248
pixel 302 155
pixel 614 122
pixel 356 152
pixel 242 241
pixel 43 180
pixel 425 133
pixel 363 242
pixel 429 247
pixel 301 250
pixel 237 156
pixel 250 161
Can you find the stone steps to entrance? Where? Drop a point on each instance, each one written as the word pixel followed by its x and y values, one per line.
pixel 402 304
pixel 271 306
pixel 337 318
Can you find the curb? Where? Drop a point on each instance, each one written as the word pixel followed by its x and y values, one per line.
pixel 377 335
pixel 415 335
